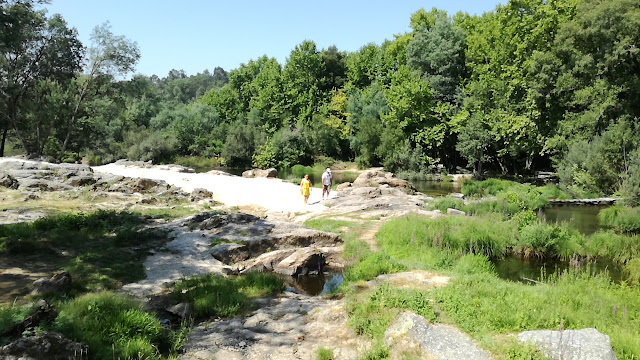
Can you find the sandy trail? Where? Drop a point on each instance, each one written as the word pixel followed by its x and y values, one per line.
pixel 272 194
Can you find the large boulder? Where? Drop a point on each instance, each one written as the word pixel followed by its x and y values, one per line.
pixel 43 185
pixel 260 173
pixel 584 344
pixel 377 177
pixel 230 253
pixel 50 346
pixel 301 262
pixel 411 334
pixel 200 194
pixel 8 181
pixel 59 282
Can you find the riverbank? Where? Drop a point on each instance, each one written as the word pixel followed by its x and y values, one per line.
pixel 384 231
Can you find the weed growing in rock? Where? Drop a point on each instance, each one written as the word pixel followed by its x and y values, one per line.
pixel 324 354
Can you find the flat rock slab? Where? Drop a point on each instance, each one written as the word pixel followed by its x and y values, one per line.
pixel 411 333
pixel 415 279
pixel 186 255
pixel 291 327
pixel 584 344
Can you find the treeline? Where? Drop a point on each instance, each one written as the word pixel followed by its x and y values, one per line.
pixel 532 85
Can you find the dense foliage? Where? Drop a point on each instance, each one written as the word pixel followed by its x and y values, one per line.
pixel 532 85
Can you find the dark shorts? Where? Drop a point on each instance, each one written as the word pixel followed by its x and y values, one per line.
pixel 326 188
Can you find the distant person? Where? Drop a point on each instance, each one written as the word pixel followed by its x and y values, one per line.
pixel 327 181
pixel 305 187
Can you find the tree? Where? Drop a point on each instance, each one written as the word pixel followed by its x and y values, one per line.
pixel 439 55
pixel 34 48
pixel 110 56
pixel 301 81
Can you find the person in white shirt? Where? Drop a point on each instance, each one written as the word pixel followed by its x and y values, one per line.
pixel 327 181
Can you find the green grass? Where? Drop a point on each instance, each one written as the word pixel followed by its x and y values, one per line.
pixel 617 247
pixel 330 225
pixel 410 236
pixel 214 295
pixel 621 219
pixel 477 301
pixel 542 240
pixel 101 250
pixel 115 327
pixel 371 312
pixel 484 304
pixel 324 354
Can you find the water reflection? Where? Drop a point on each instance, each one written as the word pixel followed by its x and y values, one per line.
pixel 525 270
pixel 584 218
pixel 436 188
pixel 313 285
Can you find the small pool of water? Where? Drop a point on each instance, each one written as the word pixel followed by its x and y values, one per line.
pixel 582 217
pixel 314 285
pixel 436 188
pixel 524 270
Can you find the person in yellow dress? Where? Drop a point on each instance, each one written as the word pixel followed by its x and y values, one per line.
pixel 305 187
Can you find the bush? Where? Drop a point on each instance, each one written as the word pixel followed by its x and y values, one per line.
pixel 300 170
pixel 151 145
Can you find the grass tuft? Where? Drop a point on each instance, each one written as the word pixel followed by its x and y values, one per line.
pixel 215 295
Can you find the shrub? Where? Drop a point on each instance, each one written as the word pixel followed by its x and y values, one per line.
pixel 300 170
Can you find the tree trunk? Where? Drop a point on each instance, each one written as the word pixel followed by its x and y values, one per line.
pixel 4 139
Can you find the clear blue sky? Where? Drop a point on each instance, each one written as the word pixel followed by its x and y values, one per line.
pixel 195 35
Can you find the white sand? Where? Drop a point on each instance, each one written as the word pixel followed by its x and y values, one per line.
pixel 271 194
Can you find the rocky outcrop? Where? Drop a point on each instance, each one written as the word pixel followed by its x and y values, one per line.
pixel 412 335
pixel 455 212
pixel 242 236
pixel 58 283
pixel 260 173
pixel 50 346
pixel 301 262
pixel 40 176
pixel 200 194
pixel 377 177
pixel 290 327
pixel 584 344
